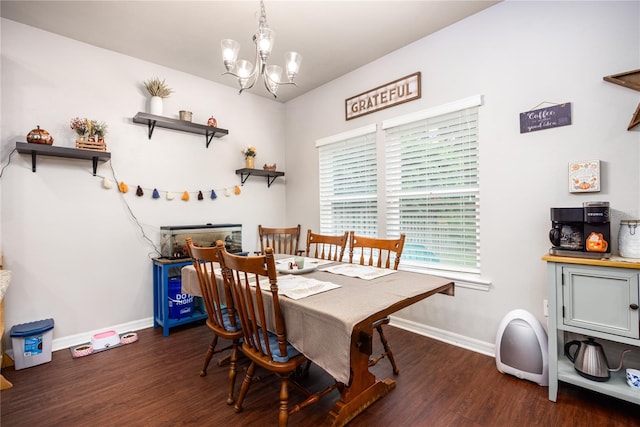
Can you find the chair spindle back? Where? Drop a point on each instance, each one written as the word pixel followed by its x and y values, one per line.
pixel 283 240
pixel 326 247
pixel 379 252
pixel 216 299
pixel 244 273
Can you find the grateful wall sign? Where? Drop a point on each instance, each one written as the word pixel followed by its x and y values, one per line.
pixel 546 118
pixel 388 95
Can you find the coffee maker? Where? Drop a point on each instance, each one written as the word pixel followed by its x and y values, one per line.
pixel 581 232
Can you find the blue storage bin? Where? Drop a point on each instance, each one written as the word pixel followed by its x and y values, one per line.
pixel 32 343
pixel 180 305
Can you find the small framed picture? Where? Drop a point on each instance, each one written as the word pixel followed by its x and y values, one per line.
pixel 584 176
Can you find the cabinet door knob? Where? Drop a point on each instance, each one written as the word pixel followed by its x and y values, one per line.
pixel 633 306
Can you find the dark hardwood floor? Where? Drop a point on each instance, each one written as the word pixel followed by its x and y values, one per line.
pixel 156 382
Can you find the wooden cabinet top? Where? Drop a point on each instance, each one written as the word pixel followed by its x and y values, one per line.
pixel 613 262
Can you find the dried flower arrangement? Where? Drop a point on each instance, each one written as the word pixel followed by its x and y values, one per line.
pixel 98 128
pixel 84 127
pixel 157 87
pixel 250 151
pixel 80 126
pixel 90 133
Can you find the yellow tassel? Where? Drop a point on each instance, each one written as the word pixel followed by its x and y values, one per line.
pixel 123 187
pixel 185 196
pixel 237 190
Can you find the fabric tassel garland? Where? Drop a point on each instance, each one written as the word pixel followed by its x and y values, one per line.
pixel 155 194
pixel 236 190
pixel 213 195
pixel 200 196
pixel 139 192
pixel 123 187
pixel 185 196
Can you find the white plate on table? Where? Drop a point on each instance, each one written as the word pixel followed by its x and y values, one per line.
pixel 284 268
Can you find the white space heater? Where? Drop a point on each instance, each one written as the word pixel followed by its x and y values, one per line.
pixel 522 347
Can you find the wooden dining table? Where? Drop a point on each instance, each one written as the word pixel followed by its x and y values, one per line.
pixel 334 329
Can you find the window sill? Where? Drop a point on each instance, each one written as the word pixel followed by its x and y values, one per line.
pixel 462 280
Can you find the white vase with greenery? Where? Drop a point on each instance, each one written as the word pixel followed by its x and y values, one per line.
pixel 158 90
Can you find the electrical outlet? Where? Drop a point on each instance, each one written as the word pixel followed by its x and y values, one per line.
pixel 545 307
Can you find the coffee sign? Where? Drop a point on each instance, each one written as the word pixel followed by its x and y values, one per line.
pixel 545 118
pixel 385 96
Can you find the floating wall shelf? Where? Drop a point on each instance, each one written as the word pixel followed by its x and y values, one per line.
pixel 247 172
pixel 153 121
pixel 71 153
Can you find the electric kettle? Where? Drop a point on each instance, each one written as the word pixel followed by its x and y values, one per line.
pixel 589 359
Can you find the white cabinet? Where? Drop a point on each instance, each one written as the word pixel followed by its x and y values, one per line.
pixel 594 298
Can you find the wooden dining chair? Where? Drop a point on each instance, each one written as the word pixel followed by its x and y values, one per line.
pixel 326 247
pixel 379 253
pixel 254 284
pixel 222 317
pixel 283 240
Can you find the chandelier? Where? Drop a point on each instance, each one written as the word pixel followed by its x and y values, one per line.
pixel 244 70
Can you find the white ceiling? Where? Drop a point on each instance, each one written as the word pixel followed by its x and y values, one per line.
pixel 334 37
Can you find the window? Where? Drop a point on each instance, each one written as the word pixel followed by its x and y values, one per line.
pixel 348 184
pixel 418 175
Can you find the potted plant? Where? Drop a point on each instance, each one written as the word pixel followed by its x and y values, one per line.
pixel 98 130
pixel 80 127
pixel 249 156
pixel 158 90
pixel 90 133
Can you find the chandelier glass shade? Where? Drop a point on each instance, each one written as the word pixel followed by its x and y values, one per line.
pixel 244 70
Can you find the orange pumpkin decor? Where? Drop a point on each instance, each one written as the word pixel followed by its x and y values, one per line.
pixel 596 243
pixel 39 136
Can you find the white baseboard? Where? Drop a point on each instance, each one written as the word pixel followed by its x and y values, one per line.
pixel 488 349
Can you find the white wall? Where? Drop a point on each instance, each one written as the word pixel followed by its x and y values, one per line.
pixel 517 55
pixel 76 253
pixel 79 257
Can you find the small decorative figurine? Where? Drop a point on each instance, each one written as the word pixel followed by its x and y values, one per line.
pixel 212 122
pixel 596 242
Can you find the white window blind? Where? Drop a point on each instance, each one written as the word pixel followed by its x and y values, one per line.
pixel 348 185
pixel 418 175
pixel 432 190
